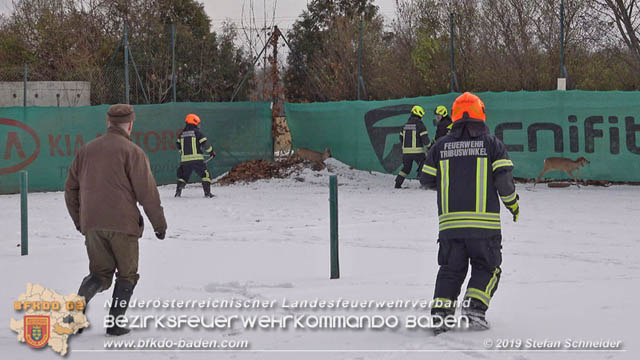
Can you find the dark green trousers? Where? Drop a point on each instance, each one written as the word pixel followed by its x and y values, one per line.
pixel 111 251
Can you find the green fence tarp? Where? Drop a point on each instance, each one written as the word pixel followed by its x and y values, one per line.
pixel 44 140
pixel 604 127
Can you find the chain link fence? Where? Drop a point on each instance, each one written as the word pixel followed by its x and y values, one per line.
pixel 148 84
pixel 207 68
pixel 52 87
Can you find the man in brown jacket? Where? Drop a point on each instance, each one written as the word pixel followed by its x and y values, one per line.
pixel 108 176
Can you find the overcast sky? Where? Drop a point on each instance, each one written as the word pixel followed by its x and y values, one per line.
pixel 4 6
pixel 286 11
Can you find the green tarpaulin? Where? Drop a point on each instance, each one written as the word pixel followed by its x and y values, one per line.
pixel 44 140
pixel 604 127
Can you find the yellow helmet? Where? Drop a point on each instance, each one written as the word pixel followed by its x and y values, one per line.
pixel 418 111
pixel 440 110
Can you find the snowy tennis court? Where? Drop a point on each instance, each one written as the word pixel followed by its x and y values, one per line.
pixel 570 267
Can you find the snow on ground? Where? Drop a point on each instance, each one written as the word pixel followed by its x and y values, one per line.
pixel 570 268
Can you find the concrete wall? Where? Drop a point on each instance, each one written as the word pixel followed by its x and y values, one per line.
pixel 46 93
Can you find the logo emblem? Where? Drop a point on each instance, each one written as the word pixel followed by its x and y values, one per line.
pixel 12 140
pixel 378 134
pixel 36 330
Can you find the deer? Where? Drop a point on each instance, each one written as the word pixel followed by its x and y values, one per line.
pixel 315 157
pixel 564 164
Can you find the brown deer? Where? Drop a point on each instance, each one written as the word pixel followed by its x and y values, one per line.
pixel 564 164
pixel 315 157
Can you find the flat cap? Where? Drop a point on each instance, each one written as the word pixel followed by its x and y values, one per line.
pixel 121 113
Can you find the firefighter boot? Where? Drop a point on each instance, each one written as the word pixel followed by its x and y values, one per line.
pixel 179 188
pixel 399 181
pixel 206 186
pixel 438 317
pixel 475 312
pixel 122 292
pixel 89 287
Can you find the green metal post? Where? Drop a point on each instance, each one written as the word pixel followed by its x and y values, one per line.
pixel 173 60
pixel 24 241
pixel 333 210
pixel 24 93
pixel 126 64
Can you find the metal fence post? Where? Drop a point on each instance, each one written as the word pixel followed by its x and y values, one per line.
pixel 563 68
pixel 359 80
pixel 333 210
pixel 173 60
pixel 24 91
pixel 126 65
pixel 454 81
pixel 24 233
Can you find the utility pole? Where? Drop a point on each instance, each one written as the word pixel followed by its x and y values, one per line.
pixel 275 87
pixel 275 74
pixel 267 41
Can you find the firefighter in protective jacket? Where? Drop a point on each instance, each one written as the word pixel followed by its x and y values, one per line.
pixel 444 122
pixel 414 137
pixel 472 172
pixel 193 145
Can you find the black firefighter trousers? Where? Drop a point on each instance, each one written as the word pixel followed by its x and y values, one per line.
pixel 407 164
pixel 454 256
pixel 200 168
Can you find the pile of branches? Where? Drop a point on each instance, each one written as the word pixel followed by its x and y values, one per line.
pixel 254 170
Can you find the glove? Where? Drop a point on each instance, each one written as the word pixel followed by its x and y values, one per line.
pixel 514 208
pixel 161 235
pixel 515 211
pixel 213 154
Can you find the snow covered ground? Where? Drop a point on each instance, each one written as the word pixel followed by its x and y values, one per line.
pixel 570 268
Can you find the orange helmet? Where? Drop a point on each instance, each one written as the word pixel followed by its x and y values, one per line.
pixel 468 104
pixel 192 119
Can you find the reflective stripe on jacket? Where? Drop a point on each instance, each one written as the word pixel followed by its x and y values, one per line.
pixel 414 136
pixel 192 144
pixel 464 166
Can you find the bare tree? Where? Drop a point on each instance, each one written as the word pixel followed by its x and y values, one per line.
pixel 256 36
pixel 625 15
